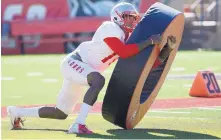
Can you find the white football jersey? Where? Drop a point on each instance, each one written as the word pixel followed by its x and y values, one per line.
pixel 96 53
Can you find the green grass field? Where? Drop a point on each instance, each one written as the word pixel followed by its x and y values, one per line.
pixel 36 80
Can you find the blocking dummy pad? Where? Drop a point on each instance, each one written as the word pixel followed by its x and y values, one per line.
pixel 134 84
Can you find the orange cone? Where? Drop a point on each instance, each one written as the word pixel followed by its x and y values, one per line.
pixel 205 85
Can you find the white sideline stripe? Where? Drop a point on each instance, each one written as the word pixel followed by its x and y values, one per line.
pixel 208 108
pixel 179 69
pixel 50 80
pixel 7 78
pixel 172 112
pixel 188 118
pixel 34 74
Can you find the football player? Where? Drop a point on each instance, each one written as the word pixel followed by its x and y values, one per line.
pixel 84 67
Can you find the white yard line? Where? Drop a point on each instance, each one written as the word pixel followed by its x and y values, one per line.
pixel 34 74
pixel 15 97
pixel 7 78
pixel 50 80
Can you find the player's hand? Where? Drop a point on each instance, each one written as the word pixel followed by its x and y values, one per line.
pixel 156 39
pixel 171 40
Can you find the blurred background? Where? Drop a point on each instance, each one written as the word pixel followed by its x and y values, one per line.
pixel 58 26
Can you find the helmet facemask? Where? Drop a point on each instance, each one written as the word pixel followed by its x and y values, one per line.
pixel 130 21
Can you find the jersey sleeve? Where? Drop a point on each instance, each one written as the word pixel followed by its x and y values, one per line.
pixel 120 48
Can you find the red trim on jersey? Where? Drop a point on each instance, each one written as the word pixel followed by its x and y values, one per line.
pixel 120 48
pixel 108 57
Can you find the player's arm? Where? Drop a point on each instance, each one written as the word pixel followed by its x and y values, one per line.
pixel 127 50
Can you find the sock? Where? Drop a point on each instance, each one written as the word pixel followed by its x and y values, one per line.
pixel 85 108
pixel 28 112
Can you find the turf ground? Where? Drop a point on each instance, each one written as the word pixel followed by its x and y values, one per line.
pixel 35 80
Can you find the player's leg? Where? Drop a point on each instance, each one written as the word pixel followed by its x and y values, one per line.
pixel 69 96
pixel 15 115
pixel 95 81
pixel 165 52
pixel 170 45
pixel 67 99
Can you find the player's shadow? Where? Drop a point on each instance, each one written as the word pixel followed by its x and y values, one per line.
pixel 149 134
pixel 140 134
